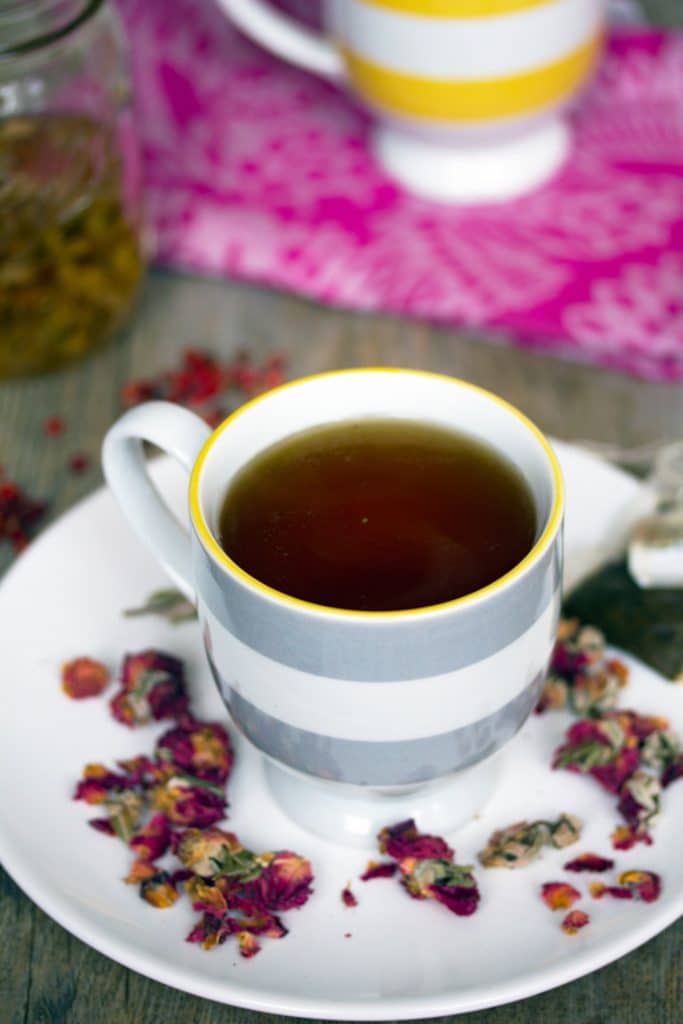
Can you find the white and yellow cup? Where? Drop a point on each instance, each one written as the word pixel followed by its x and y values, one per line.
pixel 469 94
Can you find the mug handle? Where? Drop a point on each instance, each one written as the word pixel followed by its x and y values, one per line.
pixel 284 37
pixel 179 433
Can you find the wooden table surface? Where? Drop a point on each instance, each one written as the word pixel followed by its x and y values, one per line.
pixel 46 975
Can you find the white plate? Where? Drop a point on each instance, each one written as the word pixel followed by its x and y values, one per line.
pixel 405 959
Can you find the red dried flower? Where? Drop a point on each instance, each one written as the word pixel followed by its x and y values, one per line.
pixel 600 748
pixel 204 851
pixel 645 885
pixel 618 892
pixel 201 749
pixel 625 838
pixel 84 677
pixel 53 426
pixel 207 897
pixel 378 869
pixel 249 946
pixel 102 825
pixel 189 802
pixel 152 840
pixel 153 687
pixel 347 897
pixel 97 783
pixel 141 871
pixel 159 890
pixel 285 882
pixel 211 931
pixel 559 895
pixel 639 801
pixel 404 840
pixel 589 862
pixel 453 885
pixel 575 921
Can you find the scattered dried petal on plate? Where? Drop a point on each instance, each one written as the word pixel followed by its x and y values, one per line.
pixel 404 840
pixel 639 801
pixel 201 749
pixel 347 897
pixel 159 890
pixel 141 871
pixel 520 843
pixel 249 946
pixel 600 748
pixel 98 782
pixel 378 869
pixel 285 882
pixel 102 825
pixel 124 809
pixel 206 896
pixel 645 885
pixel 574 921
pixel 189 802
pixel 211 931
pixel 203 850
pixel 452 885
pixel 153 688
pixel 559 895
pixel 152 840
pixel 625 838
pixel 618 892
pixel 589 862
pixel 84 677
pixel 171 605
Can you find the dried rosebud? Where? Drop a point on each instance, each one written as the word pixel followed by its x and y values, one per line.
pixel 124 810
pixel 153 688
pixel 203 851
pixel 189 802
pixel 625 838
pixel 599 748
pixel 520 843
pixel 555 694
pixel 636 725
pixel 211 931
pixel 152 840
pixel 84 677
pixel 201 749
pixel 660 751
pixel 249 946
pixel 140 770
pixel 453 885
pixel 576 647
pixel 285 882
pixel 404 840
pixel 378 869
pixel 595 692
pixel 639 801
pixel 347 897
pixel 159 890
pixel 207 897
pixel 575 921
pixel 645 885
pixel 98 782
pixel 559 895
pixel 589 862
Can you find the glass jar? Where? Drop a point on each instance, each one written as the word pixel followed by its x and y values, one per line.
pixel 70 229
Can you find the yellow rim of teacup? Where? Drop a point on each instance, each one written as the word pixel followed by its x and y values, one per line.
pixel 217 552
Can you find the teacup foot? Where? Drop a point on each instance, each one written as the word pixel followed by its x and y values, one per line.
pixel 470 173
pixel 353 815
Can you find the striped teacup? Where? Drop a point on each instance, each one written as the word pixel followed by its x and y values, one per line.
pixel 378 701
pixel 468 93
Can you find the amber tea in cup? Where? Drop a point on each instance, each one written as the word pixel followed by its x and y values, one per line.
pixel 378 515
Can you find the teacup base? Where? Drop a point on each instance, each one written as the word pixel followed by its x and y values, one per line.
pixel 353 815
pixel 473 173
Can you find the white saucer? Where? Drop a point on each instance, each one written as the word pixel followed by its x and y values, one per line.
pixel 404 959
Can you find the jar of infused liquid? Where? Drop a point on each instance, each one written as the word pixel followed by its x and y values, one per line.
pixel 71 256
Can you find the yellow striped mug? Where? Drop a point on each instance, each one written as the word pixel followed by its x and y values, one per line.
pixel 469 94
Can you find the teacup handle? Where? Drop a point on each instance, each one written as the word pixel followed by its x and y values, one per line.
pixel 179 433
pixel 284 37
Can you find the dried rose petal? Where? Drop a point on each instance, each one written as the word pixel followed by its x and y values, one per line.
pixel 600 748
pixel 589 862
pixel 574 921
pixel 153 688
pixel 249 946
pixel 141 871
pixel 555 694
pixel 645 885
pixel 202 851
pixel 625 838
pixel 102 825
pixel 53 426
pixel 207 897
pixel 189 802
pixel 404 840
pixel 618 892
pixel 211 931
pixel 378 869
pixel 347 897
pixel 152 840
pixel 202 749
pixel 518 844
pixel 159 890
pixel 140 770
pixel 285 882
pixel 84 677
pixel 559 895
pixel 98 782
pixel 124 809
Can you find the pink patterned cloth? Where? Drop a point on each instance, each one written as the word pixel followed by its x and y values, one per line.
pixel 259 171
